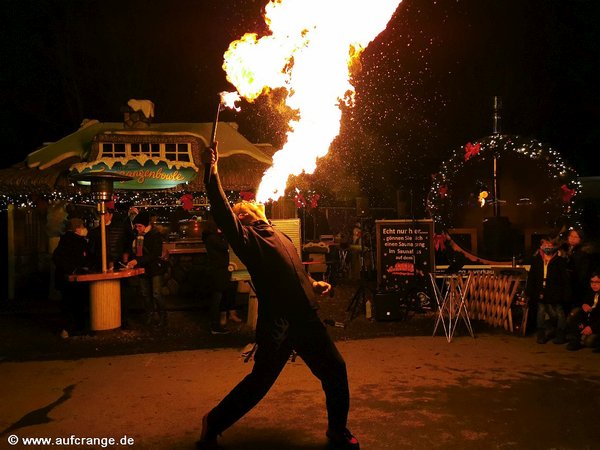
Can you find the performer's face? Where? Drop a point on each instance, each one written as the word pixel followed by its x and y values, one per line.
pixel 248 212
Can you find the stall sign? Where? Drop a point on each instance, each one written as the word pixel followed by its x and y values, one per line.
pixel 405 254
pixel 150 175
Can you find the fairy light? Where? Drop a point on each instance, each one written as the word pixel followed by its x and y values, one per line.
pixel 439 201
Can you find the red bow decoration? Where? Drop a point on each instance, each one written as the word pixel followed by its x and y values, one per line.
pixel 300 200
pixel 314 200
pixel 439 241
pixel 568 194
pixel 247 195
pixel 471 150
pixel 111 204
pixel 443 190
pixel 187 202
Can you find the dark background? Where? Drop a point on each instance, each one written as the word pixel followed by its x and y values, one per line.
pixel 426 86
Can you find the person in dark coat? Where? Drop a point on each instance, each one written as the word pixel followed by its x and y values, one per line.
pixel 583 323
pixel 70 257
pixel 217 250
pixel 549 287
pixel 287 318
pixel 147 254
pixel 118 240
pixel 579 266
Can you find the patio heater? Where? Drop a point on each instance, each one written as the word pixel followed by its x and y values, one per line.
pixel 101 190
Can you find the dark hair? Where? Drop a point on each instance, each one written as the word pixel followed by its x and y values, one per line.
pixel 143 217
pixel 577 230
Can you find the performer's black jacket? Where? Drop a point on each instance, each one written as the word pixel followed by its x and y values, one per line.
pixel 557 290
pixel 283 288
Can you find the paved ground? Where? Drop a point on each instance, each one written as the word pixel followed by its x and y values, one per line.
pixel 409 390
pixel 491 392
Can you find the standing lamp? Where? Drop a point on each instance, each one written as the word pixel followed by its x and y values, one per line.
pixel 101 189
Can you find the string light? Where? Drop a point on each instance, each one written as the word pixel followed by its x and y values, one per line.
pixel 167 200
pixel 563 192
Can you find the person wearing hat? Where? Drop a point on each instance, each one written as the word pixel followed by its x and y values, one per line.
pixel 147 254
pixel 70 257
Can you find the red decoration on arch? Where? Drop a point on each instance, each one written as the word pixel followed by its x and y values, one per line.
pixel 443 190
pixel 568 194
pixel 472 150
pixel 439 241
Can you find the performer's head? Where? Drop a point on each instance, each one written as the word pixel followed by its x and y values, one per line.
pixel 248 212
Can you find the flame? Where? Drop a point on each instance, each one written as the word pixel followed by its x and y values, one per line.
pixel 312 45
pixel 229 100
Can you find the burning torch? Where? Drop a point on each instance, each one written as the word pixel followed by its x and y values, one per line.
pixel 227 100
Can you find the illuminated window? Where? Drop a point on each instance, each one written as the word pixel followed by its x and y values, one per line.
pixel 171 152
pixel 177 152
pixel 112 150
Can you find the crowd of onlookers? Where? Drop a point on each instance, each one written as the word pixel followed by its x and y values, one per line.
pixel 563 287
pixel 133 241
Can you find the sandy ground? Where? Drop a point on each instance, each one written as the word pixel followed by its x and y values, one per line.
pixel 491 392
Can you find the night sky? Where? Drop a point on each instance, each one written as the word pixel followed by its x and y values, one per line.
pixel 426 86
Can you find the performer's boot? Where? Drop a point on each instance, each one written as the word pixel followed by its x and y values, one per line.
pixel 342 439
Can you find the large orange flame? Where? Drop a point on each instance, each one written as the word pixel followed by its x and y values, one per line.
pixel 309 51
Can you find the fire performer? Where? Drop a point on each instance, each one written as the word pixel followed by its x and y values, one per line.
pixel 287 318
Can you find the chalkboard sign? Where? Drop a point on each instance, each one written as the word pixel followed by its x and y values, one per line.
pixel 405 254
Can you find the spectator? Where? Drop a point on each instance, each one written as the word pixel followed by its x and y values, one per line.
pixel 118 238
pixel 147 254
pixel 583 323
pixel 578 265
pixel 220 278
pixel 548 287
pixel 71 257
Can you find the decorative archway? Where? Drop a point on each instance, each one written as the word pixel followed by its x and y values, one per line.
pixel 536 188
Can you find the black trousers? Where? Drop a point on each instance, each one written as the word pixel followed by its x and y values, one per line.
pixel 314 345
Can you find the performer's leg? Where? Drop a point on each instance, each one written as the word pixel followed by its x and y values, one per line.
pixel 269 361
pixel 315 347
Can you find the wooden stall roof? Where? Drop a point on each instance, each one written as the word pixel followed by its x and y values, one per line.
pixel 241 163
pixel 21 179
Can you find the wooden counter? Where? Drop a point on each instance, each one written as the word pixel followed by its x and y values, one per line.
pixel 105 297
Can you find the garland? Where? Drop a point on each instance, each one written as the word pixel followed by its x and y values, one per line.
pixel 561 195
